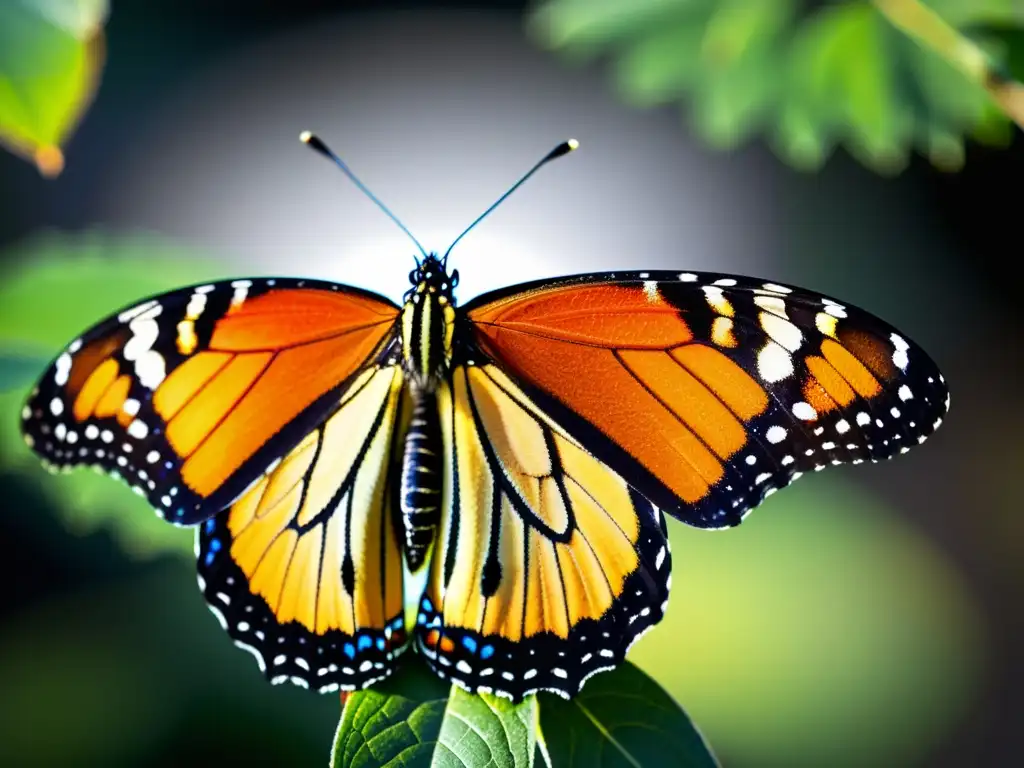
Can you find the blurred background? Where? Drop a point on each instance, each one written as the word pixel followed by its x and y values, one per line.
pixel 867 616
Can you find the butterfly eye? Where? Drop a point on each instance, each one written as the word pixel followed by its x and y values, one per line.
pixel 412 275
pixel 455 277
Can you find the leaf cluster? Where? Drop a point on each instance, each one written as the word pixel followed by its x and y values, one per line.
pixel 812 76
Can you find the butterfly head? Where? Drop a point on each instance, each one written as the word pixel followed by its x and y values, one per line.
pixel 431 276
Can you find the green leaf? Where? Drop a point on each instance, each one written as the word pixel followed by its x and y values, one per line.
pixel 483 731
pixel 51 289
pixel 414 719
pixel 621 718
pixel 811 76
pixel 51 55
pixel 586 26
pixel 395 723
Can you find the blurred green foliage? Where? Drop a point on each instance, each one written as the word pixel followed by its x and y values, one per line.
pixel 824 630
pixel 52 289
pixel 812 76
pixel 116 671
pixel 51 55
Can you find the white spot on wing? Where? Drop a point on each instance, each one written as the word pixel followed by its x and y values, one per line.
pixel 774 363
pixel 717 301
pixel 774 304
pixel 130 314
pixel 782 331
pixel 196 305
pixel 63 368
pixel 835 310
pixel 826 324
pixel 804 411
pixel 899 355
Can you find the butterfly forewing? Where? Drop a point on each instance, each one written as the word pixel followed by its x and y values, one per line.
pixel 707 392
pixel 189 396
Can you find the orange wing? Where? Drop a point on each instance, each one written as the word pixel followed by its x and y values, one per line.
pixel 707 392
pixel 304 570
pixel 190 395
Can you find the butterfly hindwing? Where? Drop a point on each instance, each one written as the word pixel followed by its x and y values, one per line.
pixel 708 392
pixel 548 565
pixel 189 395
pixel 304 569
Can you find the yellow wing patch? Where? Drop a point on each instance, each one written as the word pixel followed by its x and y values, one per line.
pixel 305 565
pixel 548 564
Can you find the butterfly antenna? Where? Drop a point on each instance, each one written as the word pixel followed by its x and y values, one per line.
pixel 562 149
pixel 314 141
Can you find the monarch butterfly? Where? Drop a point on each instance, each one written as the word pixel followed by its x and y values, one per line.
pixel 520 452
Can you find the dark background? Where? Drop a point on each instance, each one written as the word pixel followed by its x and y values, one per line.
pixel 156 46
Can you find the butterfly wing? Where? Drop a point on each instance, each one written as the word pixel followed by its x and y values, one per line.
pixel 188 396
pixel 548 564
pixel 304 570
pixel 708 392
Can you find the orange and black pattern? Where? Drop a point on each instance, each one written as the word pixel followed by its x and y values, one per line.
pixel 190 395
pixel 305 569
pixel 523 449
pixel 709 392
pixel 549 565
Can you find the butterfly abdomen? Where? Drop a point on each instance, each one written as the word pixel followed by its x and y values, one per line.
pixel 421 478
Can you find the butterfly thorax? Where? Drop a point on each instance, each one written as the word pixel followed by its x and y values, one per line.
pixel 428 322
